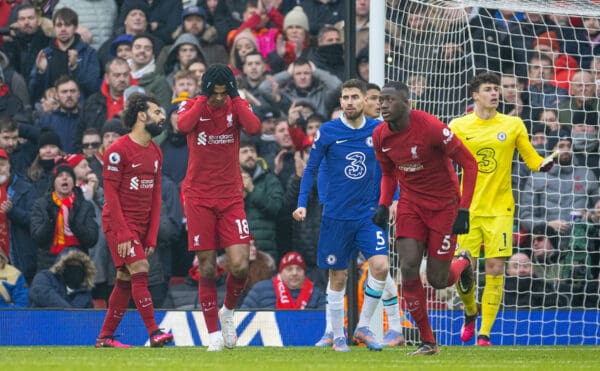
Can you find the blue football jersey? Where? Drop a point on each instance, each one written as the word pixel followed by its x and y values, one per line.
pixel 353 173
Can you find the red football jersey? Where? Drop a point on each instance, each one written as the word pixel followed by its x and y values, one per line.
pixel 132 184
pixel 420 158
pixel 213 138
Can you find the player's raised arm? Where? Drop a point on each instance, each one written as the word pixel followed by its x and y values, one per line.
pixel 190 112
pixel 241 107
pixel 534 161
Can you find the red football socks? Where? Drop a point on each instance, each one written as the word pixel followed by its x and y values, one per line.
pixel 117 305
pixel 416 302
pixel 235 287
pixel 207 294
pixel 143 300
pixel 456 269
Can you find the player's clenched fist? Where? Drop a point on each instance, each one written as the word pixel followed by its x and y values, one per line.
pixel 382 216
pixel 461 223
pixel 299 214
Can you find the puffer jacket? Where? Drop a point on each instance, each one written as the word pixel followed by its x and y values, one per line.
pixel 49 290
pixel 262 207
pixel 43 224
pixel 262 296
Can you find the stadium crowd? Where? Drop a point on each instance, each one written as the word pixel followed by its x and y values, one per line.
pixel 68 67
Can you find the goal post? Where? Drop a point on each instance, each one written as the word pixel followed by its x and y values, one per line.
pixel 537 47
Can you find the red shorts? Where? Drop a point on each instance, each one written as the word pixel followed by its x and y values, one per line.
pixel 434 227
pixel 137 248
pixel 216 223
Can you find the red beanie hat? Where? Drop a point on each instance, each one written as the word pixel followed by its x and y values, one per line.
pixel 548 38
pixel 291 258
pixel 74 160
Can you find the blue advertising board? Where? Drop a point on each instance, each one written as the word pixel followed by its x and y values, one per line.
pixel 284 328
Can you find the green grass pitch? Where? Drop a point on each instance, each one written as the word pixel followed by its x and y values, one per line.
pixel 298 358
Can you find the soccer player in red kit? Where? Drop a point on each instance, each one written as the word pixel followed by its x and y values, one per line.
pixel 416 150
pixel 214 194
pixel 130 217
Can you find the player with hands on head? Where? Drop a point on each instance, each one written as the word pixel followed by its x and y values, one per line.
pixel 492 138
pixel 416 150
pixel 213 191
pixel 131 216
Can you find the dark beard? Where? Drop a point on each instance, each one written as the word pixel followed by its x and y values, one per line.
pixel 355 116
pixel 154 129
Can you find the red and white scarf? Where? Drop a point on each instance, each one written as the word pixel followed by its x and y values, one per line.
pixel 63 236
pixel 284 299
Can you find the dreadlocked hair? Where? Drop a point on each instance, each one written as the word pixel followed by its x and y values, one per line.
pixel 136 103
pixel 216 74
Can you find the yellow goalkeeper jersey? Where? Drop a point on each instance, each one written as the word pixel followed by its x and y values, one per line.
pixel 493 142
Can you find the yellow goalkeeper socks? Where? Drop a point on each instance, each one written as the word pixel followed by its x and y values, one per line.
pixel 468 299
pixel 490 302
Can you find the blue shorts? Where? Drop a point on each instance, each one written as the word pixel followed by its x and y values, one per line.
pixel 340 240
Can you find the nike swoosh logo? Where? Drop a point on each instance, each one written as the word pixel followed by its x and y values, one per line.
pixel 243 237
pixel 440 252
pixel 469 138
pixel 203 119
pixel 386 149
pixel 341 141
pixel 380 248
pixel 136 165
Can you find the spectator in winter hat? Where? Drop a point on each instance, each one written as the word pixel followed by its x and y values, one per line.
pixel 294 41
pixel 40 170
pixel 62 218
pixel 289 289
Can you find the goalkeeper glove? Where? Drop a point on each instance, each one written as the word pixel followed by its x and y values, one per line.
pixel 381 217
pixel 548 162
pixel 461 223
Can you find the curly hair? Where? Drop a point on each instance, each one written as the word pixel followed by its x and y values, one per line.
pixel 136 103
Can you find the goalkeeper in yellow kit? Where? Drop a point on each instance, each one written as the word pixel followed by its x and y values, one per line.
pixel 492 139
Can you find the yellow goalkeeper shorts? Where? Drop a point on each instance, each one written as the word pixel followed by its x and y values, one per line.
pixel 490 234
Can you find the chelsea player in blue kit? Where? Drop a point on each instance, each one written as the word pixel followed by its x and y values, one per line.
pixel 353 176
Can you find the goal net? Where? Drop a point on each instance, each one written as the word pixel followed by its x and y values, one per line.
pixel 546 54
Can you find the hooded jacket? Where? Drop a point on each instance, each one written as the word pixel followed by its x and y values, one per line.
pixel 49 290
pixel 172 65
pixel 213 51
